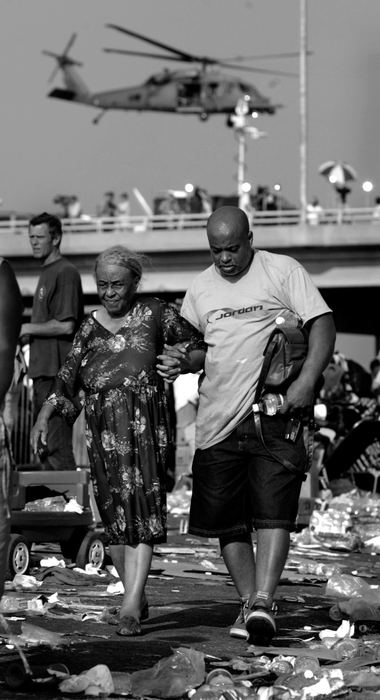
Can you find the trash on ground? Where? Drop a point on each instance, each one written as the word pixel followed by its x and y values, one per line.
pixel 115 588
pixel 95 681
pixel 52 561
pixel 25 582
pixel 348 586
pixel 170 677
pixel 32 635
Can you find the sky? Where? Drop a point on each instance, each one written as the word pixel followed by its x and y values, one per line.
pixel 51 147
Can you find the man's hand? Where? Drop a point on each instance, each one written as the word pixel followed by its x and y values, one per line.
pixel 25 329
pixel 173 362
pixel 25 334
pixel 300 395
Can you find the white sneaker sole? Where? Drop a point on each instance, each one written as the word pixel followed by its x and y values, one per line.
pixel 260 625
pixel 238 632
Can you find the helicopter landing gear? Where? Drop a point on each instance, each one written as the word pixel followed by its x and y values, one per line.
pixel 99 116
pixel 203 116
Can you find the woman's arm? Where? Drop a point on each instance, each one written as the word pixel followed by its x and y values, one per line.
pixel 64 398
pixel 177 359
pixel 184 347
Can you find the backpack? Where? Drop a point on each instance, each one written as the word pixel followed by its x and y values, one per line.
pixel 284 355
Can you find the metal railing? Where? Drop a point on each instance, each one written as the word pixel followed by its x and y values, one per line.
pixel 22 421
pixel 179 222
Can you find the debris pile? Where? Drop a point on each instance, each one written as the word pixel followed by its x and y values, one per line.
pixel 349 522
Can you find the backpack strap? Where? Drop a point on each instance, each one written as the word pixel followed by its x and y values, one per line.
pixel 268 354
pixel 281 460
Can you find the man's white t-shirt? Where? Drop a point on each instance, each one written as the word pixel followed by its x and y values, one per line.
pixel 236 318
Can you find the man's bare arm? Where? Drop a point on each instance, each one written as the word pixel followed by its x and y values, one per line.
pixel 321 347
pixel 48 329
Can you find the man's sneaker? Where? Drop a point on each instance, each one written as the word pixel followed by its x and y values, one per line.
pixel 260 624
pixel 239 629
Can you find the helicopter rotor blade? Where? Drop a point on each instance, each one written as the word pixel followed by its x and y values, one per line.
pixel 145 54
pixel 184 55
pixel 69 44
pixel 187 57
pixel 60 63
pixel 49 53
pixel 256 70
pixel 259 57
pixel 63 58
pixel 53 73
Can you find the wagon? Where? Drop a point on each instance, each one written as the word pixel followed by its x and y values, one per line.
pixel 78 534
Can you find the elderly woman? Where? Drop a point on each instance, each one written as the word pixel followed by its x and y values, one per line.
pixel 113 361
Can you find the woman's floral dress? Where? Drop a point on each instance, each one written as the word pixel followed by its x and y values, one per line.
pixel 127 416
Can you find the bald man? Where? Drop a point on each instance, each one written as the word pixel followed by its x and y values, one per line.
pixel 238 484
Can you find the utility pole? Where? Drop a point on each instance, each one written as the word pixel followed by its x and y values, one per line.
pixel 242 158
pixel 303 109
pixel 242 128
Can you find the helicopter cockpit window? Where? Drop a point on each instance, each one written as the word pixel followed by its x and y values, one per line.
pixel 189 93
pixel 159 78
pixel 245 88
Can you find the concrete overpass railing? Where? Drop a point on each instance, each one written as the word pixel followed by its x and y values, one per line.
pixel 272 229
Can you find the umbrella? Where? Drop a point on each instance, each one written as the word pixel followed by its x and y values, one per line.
pixel 337 172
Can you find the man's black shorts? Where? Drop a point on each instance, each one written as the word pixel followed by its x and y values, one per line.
pixel 239 484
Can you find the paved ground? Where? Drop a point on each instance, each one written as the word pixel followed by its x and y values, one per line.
pixel 191 602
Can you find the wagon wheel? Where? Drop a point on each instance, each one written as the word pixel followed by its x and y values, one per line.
pixel 335 613
pixel 91 551
pixel 16 676
pixel 18 556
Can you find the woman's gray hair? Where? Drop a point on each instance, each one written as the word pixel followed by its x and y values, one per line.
pixel 120 255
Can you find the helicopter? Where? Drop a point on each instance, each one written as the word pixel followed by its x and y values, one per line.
pixel 201 89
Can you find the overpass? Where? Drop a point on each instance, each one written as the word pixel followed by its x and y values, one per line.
pixel 341 253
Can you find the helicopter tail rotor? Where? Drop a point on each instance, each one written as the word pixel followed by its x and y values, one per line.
pixel 62 59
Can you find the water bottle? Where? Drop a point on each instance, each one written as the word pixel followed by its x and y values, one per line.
pixel 219 676
pixel 270 404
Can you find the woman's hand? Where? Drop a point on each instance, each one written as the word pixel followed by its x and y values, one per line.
pixel 39 432
pixel 173 362
pixel 38 436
